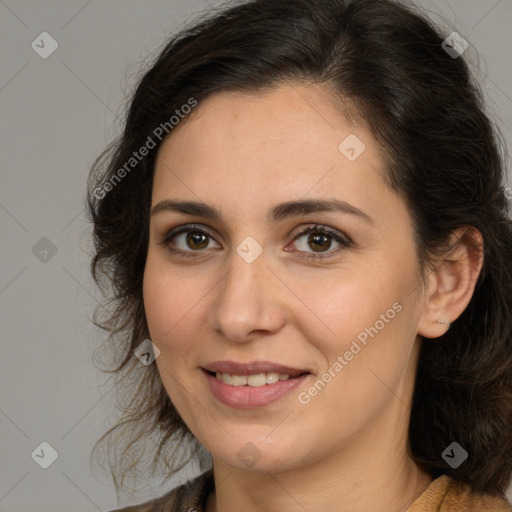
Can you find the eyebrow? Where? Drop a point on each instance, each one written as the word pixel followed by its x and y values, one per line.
pixel 275 214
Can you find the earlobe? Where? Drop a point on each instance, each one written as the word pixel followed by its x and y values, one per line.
pixel 452 282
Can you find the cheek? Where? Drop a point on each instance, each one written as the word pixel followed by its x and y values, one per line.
pixel 170 302
pixel 366 340
pixel 365 362
pixel 346 311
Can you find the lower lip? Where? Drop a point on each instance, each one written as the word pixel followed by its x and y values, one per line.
pixel 250 397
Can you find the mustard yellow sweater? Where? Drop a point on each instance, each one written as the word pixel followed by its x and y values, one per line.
pixel 446 495
pixel 442 495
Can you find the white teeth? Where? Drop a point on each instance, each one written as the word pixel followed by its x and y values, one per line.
pixel 258 379
pixel 270 378
pixel 238 380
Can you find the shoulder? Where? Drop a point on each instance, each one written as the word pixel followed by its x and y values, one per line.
pixel 189 497
pixel 447 495
pixel 461 498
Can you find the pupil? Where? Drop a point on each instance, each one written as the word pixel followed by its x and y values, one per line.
pixel 316 240
pixel 194 238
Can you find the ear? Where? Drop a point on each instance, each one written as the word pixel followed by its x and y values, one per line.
pixel 452 282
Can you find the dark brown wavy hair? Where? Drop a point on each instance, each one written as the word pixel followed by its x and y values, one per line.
pixel 444 157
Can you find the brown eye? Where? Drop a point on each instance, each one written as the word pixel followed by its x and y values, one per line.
pixel 196 240
pixel 187 240
pixel 318 241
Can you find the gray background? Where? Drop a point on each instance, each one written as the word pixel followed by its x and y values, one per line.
pixel 56 115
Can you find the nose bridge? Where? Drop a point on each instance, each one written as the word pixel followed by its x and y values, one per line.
pixel 244 300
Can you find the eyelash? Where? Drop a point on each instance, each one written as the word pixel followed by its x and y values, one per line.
pixel 344 241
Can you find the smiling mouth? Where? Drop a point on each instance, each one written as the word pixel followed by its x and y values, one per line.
pixel 253 380
pixel 252 385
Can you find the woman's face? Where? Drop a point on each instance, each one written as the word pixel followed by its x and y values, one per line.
pixel 331 343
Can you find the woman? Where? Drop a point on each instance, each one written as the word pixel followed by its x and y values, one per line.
pixel 305 223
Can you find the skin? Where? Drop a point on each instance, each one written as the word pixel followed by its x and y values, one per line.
pixel 346 449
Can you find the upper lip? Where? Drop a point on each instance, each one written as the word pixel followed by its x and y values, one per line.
pixel 251 368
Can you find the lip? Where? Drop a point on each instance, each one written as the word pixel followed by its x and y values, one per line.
pixel 251 368
pixel 249 397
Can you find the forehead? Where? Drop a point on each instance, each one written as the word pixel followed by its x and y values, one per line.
pixel 286 115
pixel 263 148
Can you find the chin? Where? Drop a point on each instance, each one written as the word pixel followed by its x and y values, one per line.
pixel 257 453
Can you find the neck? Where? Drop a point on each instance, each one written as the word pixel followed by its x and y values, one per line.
pixel 273 492
pixel 371 480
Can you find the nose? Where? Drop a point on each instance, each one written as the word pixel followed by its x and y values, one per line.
pixel 248 301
